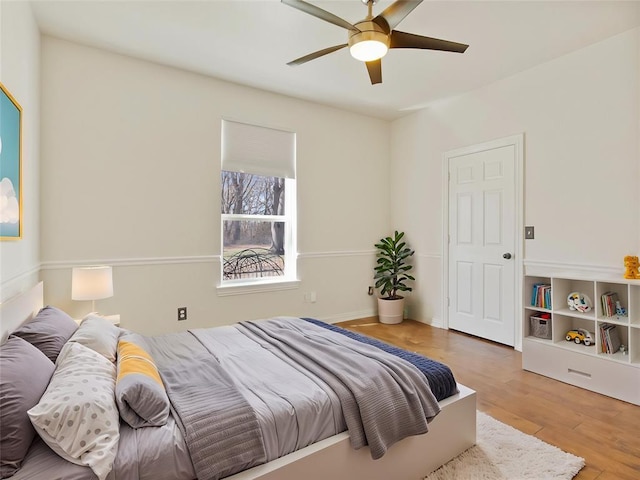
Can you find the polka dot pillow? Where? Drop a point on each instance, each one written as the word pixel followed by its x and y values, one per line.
pixel 77 415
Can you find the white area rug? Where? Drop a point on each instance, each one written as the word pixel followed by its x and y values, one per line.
pixel 502 452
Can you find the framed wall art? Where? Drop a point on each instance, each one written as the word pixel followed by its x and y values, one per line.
pixel 10 166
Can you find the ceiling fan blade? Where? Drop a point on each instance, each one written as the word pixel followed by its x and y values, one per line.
pixel 395 13
pixel 314 55
pixel 409 40
pixel 319 13
pixel 375 71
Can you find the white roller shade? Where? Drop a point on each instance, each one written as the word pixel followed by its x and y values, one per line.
pixel 259 150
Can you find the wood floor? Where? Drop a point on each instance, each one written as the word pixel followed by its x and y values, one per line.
pixel 603 431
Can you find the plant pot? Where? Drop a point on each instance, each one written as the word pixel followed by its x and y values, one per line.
pixel 390 311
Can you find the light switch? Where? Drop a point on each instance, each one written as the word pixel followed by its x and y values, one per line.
pixel 529 233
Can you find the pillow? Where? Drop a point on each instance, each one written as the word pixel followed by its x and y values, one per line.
pixel 77 416
pixel 98 334
pixel 25 374
pixel 140 393
pixel 49 330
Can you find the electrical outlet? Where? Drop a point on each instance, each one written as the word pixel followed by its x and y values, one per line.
pixel 182 313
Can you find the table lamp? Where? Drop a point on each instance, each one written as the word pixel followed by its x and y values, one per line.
pixel 92 283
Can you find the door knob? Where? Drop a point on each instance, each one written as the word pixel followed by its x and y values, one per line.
pixel 506 255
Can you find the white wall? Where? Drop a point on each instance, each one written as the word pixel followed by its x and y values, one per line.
pixel 580 115
pixel 131 167
pixel 130 177
pixel 20 74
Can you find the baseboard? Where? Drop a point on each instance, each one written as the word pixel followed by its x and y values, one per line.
pixel 433 322
pixel 344 317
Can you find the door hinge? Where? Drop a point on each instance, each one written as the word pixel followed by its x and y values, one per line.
pixel 448 301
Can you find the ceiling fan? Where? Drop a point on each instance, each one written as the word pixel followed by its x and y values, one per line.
pixel 371 38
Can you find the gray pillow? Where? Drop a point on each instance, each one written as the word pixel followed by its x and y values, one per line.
pixel 25 374
pixel 98 334
pixel 49 330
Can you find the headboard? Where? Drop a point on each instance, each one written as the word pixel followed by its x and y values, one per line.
pixel 19 309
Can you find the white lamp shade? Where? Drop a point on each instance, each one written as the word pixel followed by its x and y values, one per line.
pixel 91 283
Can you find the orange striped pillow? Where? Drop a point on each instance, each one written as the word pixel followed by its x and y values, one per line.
pixel 140 393
pixel 132 359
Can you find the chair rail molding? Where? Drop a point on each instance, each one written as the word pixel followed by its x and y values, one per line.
pixel 543 267
pixel 143 261
pixel 128 262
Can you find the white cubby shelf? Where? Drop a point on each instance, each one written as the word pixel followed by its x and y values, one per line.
pixel 614 374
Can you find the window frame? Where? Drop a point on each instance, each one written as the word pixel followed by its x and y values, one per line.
pixel 289 277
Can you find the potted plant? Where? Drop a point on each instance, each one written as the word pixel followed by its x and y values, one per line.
pixel 391 275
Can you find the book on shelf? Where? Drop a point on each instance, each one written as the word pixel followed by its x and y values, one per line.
pixel 541 295
pixel 609 300
pixel 609 338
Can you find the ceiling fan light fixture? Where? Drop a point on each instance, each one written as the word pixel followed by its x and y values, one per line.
pixel 371 38
pixel 368 50
pixel 369 42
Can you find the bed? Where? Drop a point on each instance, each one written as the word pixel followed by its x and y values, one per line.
pixel 240 361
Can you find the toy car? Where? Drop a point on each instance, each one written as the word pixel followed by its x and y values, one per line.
pixel 580 335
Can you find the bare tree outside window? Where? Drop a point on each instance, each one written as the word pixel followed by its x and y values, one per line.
pixel 253 226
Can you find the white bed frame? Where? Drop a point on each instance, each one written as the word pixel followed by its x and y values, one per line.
pixel 20 309
pixel 450 433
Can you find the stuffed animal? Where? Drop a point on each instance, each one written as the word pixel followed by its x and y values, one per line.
pixel 631 267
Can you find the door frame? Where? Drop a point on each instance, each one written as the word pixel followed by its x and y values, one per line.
pixel 517 141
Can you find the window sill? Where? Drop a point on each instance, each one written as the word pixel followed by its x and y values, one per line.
pixel 257 286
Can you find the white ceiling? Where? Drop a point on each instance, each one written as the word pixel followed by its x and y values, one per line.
pixel 250 42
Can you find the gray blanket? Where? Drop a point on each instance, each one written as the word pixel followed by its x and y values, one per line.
pixel 391 402
pixel 219 426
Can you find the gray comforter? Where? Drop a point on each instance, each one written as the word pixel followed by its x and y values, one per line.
pixel 384 398
pixel 219 426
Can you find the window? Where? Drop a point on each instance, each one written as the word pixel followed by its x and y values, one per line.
pixel 257 204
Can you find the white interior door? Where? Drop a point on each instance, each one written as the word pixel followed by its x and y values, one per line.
pixel 482 241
